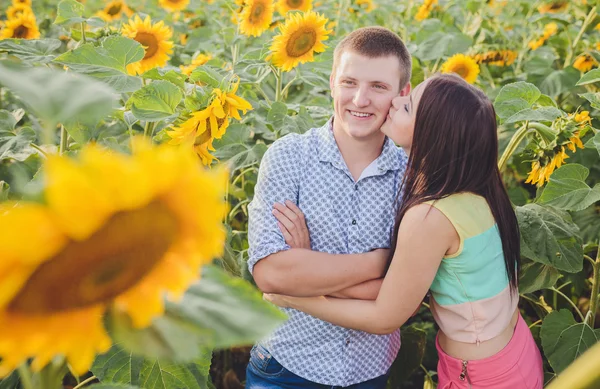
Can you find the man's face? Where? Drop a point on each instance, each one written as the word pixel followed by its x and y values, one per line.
pixel 362 89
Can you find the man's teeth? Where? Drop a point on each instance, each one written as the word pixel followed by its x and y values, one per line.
pixel 360 114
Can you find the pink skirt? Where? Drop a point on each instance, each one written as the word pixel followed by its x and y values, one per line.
pixel 516 366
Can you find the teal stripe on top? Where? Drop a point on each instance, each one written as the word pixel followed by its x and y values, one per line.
pixel 477 273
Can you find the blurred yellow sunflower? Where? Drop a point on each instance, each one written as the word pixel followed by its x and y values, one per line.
pixel 464 66
pixel 23 26
pixel 585 62
pixel 114 10
pixel 174 5
pixel 497 58
pixel 200 60
pixel 553 7
pixel 284 6
pixel 256 17
pixel 362 6
pixel 155 40
pixel 26 2
pixel 125 232
pixel 16 9
pixel 425 9
pixel 549 30
pixel 300 37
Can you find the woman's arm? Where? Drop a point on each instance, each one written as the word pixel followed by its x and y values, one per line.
pixel 424 237
pixel 368 290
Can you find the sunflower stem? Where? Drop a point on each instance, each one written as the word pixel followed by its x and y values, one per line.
pixel 285 88
pixel 64 137
pixel 343 5
pixel 25 375
pixel 279 79
pixel 586 22
pixel 591 316
pixel 83 39
pixel 87 381
pixel 148 129
pixel 516 139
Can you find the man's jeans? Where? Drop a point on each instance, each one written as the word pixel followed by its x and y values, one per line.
pixel 264 372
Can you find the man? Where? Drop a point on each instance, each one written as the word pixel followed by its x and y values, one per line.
pixel 345 177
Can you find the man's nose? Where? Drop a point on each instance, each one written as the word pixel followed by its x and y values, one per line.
pixel 361 97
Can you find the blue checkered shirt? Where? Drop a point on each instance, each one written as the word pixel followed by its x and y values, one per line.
pixel 343 217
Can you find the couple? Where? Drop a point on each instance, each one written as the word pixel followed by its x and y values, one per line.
pixel 386 228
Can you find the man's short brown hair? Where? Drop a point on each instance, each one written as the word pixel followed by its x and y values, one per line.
pixel 375 42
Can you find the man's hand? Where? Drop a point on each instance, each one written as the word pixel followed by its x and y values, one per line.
pixel 292 224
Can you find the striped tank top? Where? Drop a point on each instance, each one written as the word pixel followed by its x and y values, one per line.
pixel 471 297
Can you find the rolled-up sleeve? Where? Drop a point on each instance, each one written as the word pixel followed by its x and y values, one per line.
pixel 278 179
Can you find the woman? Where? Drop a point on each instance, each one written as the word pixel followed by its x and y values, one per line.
pixel 456 235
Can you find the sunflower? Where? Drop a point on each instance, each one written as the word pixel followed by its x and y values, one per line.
pixel 203 151
pixel 464 66
pixel 114 10
pixel 26 2
pixel 362 6
pixel 231 103
pixel 23 26
pixel 584 62
pixel 174 5
pixel 540 173
pixel 16 9
pixel 118 231
pixel 256 17
pixel 425 9
pixel 549 30
pixel 300 37
pixel 155 40
pixel 497 58
pixel 285 6
pixel 553 7
pixel 201 59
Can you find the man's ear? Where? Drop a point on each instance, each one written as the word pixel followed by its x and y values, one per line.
pixel 406 90
pixel 331 83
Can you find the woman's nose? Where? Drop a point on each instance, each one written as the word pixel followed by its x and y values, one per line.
pixel 397 102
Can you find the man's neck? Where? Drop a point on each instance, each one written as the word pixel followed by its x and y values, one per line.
pixel 358 153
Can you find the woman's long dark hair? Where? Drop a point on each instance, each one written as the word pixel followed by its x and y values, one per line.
pixel 455 149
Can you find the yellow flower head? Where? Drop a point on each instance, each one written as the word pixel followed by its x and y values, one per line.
pixel 284 6
pixel 125 232
pixel 114 10
pixel 174 5
pixel 583 117
pixel 231 103
pixel 585 62
pixel 425 9
pixel 23 26
pixel 155 39
pixel 497 58
pixel 200 60
pixel 540 174
pixel 464 66
pixel 256 17
pixel 549 30
pixel 553 7
pixel 26 2
pixel 16 9
pixel 300 37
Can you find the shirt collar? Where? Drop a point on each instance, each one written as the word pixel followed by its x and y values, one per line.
pixel 328 151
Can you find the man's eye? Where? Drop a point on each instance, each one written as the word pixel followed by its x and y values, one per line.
pixel 347 82
pixel 379 86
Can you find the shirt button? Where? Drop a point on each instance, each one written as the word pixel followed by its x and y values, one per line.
pixel 353 222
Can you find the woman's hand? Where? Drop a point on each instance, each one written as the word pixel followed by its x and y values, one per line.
pixel 277 299
pixel 292 224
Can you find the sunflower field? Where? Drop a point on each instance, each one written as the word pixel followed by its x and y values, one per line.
pixel 131 133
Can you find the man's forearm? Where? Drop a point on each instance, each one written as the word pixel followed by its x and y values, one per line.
pixel 368 290
pixel 305 273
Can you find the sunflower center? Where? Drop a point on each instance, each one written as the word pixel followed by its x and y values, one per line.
pixel 301 42
pixel 295 4
pixel 20 32
pixel 149 42
pixel 115 9
pixel 256 13
pixel 100 268
pixel 461 70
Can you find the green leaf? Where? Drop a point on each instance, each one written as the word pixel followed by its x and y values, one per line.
pixel 17 145
pixel 120 366
pixel 409 357
pixel 596 140
pixel 590 77
pixel 535 276
pixel 207 75
pixel 11 382
pixel 563 339
pixel 549 236
pixel 560 81
pixel 228 306
pixel 31 50
pixel 56 96
pixel 156 101
pixel 69 11
pixel 567 189
pixel 277 114
pixel 515 97
pixel 543 114
pixel 107 62
pixel 114 386
pixel 441 44
pixel 4 191
pixel 593 98
pixel 7 120
pixel 169 75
